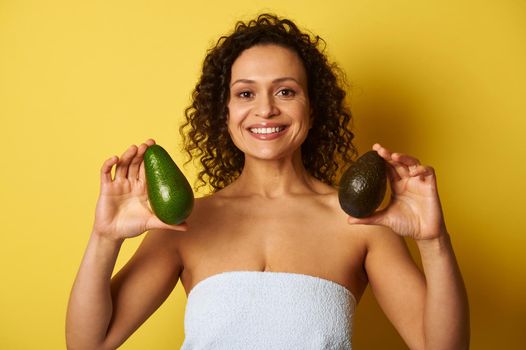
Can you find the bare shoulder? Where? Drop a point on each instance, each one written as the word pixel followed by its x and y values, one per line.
pixel 375 235
pixel 378 240
pixel 329 199
pixel 205 208
pixel 165 241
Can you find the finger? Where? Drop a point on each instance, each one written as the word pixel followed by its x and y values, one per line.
pixel 382 151
pixel 105 171
pixel 419 170
pixel 157 223
pixel 359 221
pixel 393 167
pixel 136 162
pixel 392 173
pixel 122 165
pixel 374 219
pixel 142 175
pixel 403 163
pixel 405 159
pixel 181 227
pixel 400 168
pixel 149 142
pixel 425 173
pixel 430 176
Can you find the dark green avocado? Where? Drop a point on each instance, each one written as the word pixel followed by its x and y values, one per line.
pixel 362 186
pixel 169 192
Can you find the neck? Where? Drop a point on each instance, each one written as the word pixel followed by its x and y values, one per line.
pixel 273 178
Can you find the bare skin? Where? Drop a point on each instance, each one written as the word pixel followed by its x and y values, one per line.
pixel 302 233
pixel 274 217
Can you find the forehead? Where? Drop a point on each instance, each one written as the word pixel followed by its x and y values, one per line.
pixel 268 61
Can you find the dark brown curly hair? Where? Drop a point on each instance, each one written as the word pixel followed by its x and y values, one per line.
pixel 329 141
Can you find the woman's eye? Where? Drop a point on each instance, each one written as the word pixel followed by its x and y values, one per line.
pixel 286 92
pixel 245 94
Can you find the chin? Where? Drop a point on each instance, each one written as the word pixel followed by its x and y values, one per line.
pixel 267 155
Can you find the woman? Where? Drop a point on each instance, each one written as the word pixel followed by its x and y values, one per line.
pixel 269 260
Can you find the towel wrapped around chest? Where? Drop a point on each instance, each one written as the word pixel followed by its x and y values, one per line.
pixel 268 310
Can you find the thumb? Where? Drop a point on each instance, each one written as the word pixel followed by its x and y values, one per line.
pixel 157 223
pixel 375 219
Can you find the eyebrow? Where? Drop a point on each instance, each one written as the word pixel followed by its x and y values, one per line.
pixel 278 80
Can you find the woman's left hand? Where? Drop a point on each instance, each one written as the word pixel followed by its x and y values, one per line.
pixel 414 209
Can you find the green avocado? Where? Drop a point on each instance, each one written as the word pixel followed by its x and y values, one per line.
pixel 362 186
pixel 169 192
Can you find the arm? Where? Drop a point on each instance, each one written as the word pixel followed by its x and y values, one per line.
pixel 102 312
pixel 90 304
pixel 429 310
pixel 446 314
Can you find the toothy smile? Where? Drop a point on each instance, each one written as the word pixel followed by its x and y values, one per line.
pixel 267 130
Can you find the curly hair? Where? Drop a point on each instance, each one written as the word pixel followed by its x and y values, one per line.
pixel 329 141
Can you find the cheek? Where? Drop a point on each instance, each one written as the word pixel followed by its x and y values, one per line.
pixel 233 121
pixel 236 114
pixel 304 115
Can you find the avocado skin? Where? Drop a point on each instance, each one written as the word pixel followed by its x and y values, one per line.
pixel 170 195
pixel 362 186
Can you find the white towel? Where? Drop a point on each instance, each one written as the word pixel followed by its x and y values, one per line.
pixel 254 310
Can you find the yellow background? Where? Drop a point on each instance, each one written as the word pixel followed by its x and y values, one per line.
pixel 82 80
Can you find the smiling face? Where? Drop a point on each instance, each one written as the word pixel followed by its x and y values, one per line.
pixel 269 112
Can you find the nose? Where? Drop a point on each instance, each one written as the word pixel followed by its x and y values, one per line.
pixel 266 107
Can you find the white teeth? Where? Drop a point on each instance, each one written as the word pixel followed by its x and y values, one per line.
pixel 266 130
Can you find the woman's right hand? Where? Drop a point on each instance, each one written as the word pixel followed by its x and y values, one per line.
pixel 122 209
